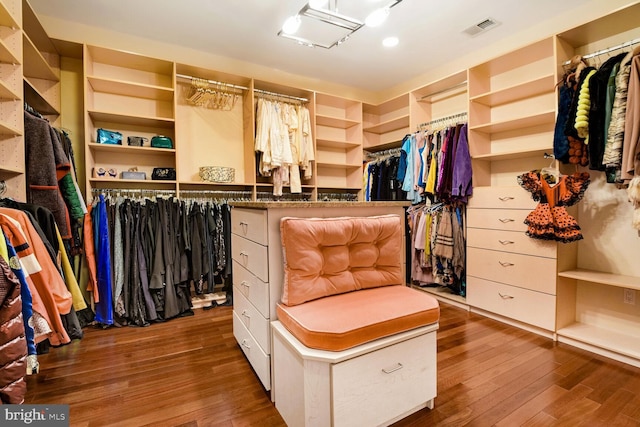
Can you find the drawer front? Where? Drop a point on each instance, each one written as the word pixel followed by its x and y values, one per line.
pixel 524 271
pixel 510 241
pixel 398 377
pixel 250 255
pixel 534 308
pixel 259 360
pixel 250 224
pixel 255 322
pixel 253 289
pixel 501 197
pixel 497 219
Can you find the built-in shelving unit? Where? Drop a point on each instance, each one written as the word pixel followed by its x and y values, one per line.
pixel 597 287
pixel 385 124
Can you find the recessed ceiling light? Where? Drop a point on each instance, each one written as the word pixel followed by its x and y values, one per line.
pixel 318 4
pixel 390 42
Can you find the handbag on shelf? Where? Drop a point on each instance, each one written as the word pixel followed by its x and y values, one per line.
pixel 160 141
pixel 137 141
pixel 133 173
pixel 109 137
pixel 163 174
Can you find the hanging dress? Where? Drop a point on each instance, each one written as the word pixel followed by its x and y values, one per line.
pixel 550 219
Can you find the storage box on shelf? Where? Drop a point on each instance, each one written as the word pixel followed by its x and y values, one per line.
pixel 11 108
pixel 385 125
pixel 134 95
pixel 338 135
pixel 597 310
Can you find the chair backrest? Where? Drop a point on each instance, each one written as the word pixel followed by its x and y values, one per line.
pixel 329 256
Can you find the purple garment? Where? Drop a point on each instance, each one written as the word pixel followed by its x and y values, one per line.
pixel 462 171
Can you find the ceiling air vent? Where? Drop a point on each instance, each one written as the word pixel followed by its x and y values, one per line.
pixel 481 27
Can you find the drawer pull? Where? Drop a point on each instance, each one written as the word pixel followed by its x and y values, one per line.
pixel 244 226
pixel 505 198
pixel 397 368
pixel 245 284
pixel 506 242
pixel 506 264
pixel 505 220
pixel 244 344
pixel 244 254
pixel 245 314
pixel 505 296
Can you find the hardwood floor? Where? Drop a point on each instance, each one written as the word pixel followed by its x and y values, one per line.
pixel 190 372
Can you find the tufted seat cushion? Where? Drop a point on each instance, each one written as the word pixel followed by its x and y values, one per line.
pixel 344 321
pixel 330 256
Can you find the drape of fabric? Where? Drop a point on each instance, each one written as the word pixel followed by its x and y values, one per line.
pixel 631 141
pixel 104 307
pixel 462 184
pixel 46 163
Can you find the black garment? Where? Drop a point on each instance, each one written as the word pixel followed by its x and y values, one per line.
pixel 598 96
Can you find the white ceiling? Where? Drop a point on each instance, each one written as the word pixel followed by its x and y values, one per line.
pixel 430 32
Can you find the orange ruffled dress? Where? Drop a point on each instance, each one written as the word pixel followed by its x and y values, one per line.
pixel 550 219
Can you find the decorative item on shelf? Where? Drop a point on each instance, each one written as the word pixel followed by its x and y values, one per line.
pixel 110 173
pixel 161 141
pixel 163 174
pixel 217 174
pixel 137 141
pixel 133 173
pixel 109 137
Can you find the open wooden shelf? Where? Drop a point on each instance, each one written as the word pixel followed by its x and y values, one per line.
pixel 389 125
pixel 336 122
pixel 7 93
pixel 6 55
pixel 125 88
pixel 517 92
pixel 515 154
pixel 34 63
pixel 35 99
pixel 128 119
pixel 541 118
pixel 6 18
pixel 616 342
pixel 329 143
pixel 337 165
pixel 115 148
pixel 618 280
pixel 6 129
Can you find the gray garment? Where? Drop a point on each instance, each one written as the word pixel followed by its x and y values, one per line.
pixel 142 263
pixel 118 261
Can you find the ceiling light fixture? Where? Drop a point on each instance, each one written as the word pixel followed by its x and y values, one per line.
pixel 319 24
pixel 291 25
pixel 377 17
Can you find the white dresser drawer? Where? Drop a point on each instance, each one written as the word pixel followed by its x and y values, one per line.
pixel 254 289
pixel 250 255
pixel 250 223
pixel 497 219
pixel 501 197
pixel 401 376
pixel 510 241
pixel 524 271
pixel 534 308
pixel 255 322
pixel 259 360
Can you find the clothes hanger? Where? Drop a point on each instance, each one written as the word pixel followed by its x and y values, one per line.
pixel 551 173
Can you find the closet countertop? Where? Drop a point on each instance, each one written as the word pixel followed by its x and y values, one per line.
pixel 299 204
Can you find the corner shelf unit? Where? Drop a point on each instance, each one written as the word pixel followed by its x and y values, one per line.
pixel 385 125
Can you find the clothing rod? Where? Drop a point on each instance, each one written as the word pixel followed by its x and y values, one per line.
pixel 443 90
pixel 213 82
pixel 280 95
pixel 607 50
pixel 444 119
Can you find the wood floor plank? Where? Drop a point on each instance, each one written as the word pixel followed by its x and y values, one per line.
pixel 190 372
